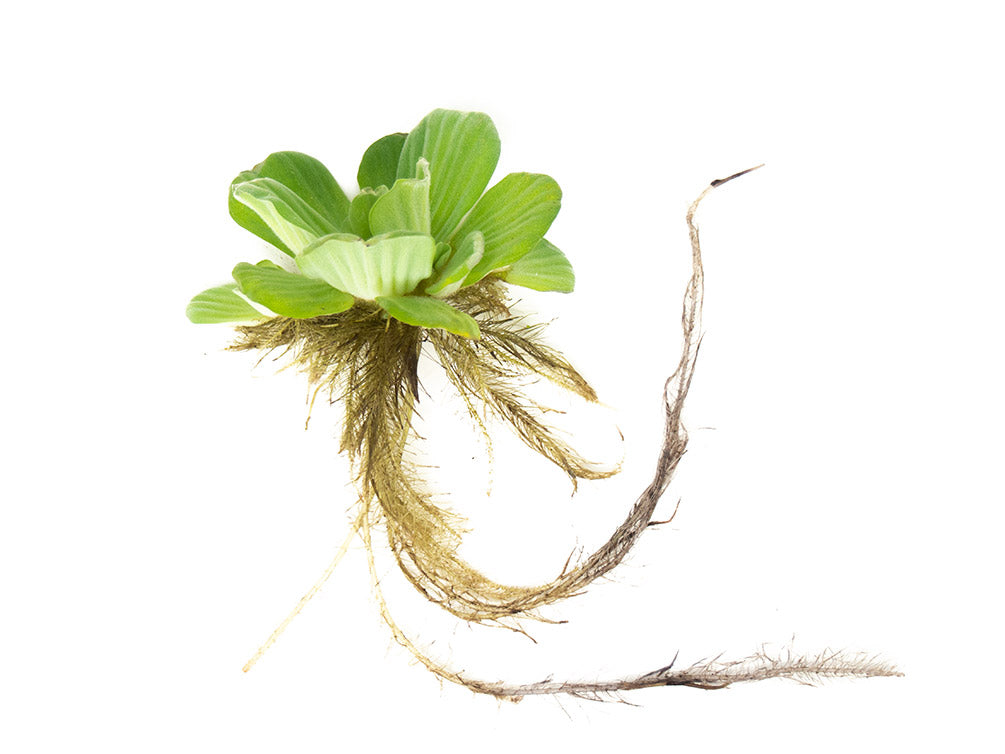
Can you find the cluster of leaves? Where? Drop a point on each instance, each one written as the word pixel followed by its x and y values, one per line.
pixel 419 230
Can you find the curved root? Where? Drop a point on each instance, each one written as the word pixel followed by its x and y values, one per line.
pixel 370 365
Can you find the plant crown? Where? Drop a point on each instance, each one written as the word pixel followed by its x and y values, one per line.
pixel 421 228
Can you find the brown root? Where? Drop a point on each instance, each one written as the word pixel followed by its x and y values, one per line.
pixel 370 365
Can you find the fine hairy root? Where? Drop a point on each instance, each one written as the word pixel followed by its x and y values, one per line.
pixel 370 365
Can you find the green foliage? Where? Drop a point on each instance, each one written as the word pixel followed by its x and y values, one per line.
pixel 423 311
pixel 543 268
pixel 405 206
pixel 379 166
pixel 311 181
pixel 513 215
pixel 455 265
pixel 221 304
pixel 289 294
pixel 462 150
pixel 388 265
pixel 359 211
pixel 422 229
pixel 293 221
pixel 305 177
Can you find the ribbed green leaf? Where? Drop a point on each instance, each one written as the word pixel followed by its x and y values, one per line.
pixel 462 150
pixel 514 215
pixel 450 274
pixel 248 219
pixel 311 181
pixel 305 177
pixel 389 265
pixel 289 294
pixel 405 206
pixel 359 212
pixel 288 216
pixel 379 166
pixel 422 311
pixel 221 304
pixel 443 253
pixel 543 268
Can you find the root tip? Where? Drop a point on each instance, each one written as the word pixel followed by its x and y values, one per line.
pixel 720 181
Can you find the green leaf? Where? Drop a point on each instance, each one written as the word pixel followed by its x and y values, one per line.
pixel 288 216
pixel 450 274
pixel 305 177
pixel 248 219
pixel 388 265
pixel 422 311
pixel 514 215
pixel 443 253
pixel 405 206
pixel 359 212
pixel 289 294
pixel 543 268
pixel 311 181
pixel 462 150
pixel 379 166
pixel 221 304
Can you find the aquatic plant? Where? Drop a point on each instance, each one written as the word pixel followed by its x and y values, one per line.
pixel 419 261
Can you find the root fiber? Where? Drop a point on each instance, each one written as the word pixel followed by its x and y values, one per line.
pixel 369 364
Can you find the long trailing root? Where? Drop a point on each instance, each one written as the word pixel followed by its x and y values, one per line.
pixel 708 675
pixel 371 365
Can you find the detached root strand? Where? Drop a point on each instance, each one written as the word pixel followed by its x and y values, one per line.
pixel 308 596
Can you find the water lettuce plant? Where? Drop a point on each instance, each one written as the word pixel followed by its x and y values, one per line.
pixel 419 261
pixel 406 243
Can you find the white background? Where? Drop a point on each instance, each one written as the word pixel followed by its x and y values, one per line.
pixel 163 507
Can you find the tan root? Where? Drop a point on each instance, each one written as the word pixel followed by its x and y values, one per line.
pixel 370 365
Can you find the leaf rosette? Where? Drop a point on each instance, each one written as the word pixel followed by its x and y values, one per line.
pixel 412 260
pixel 421 228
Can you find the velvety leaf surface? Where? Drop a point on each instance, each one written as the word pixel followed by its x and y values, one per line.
pixel 221 304
pixel 248 219
pixel 452 271
pixel 405 206
pixel 513 215
pixel 422 311
pixel 443 253
pixel 309 179
pixel 289 294
pixel 306 177
pixel 288 216
pixel 359 213
pixel 462 150
pixel 543 268
pixel 390 265
pixel 379 166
